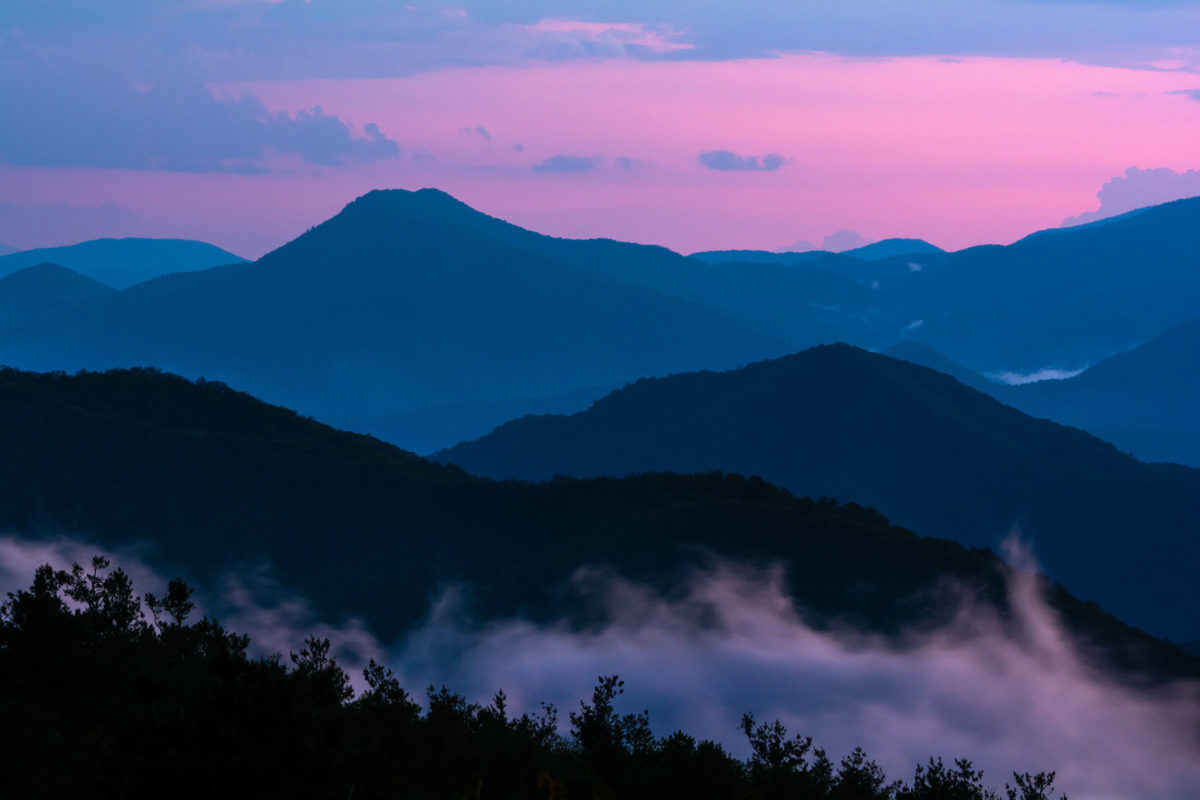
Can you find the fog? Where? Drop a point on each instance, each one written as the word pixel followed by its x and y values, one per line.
pixel 1009 694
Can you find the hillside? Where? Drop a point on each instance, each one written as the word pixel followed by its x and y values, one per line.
pixel 1143 400
pixel 922 448
pixel 43 289
pixel 204 479
pixel 121 263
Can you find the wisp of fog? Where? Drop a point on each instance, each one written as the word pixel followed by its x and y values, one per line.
pixel 1011 694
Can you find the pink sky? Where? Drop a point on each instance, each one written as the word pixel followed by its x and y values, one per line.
pixel 958 152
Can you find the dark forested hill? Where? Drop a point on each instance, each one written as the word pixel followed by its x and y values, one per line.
pixel 919 446
pixel 123 262
pixel 43 289
pixel 203 479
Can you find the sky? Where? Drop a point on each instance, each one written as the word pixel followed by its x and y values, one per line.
pixel 696 125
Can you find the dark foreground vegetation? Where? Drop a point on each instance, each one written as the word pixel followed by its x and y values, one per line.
pixel 102 701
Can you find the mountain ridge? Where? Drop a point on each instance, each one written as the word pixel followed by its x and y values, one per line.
pixel 927 451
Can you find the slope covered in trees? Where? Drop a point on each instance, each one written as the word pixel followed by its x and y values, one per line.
pixel 205 479
pixel 924 449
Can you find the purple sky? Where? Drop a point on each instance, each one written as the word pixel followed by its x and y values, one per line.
pixel 687 124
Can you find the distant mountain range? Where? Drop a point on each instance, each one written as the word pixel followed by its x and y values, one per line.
pixel 6 249
pixel 410 300
pixel 927 451
pixel 413 316
pixel 202 480
pixel 121 263
pixel 876 251
pixel 1063 298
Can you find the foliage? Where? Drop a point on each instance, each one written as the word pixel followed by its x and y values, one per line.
pixel 103 702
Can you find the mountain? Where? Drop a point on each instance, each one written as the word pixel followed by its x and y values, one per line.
pixel 6 249
pixel 407 300
pixel 201 480
pixel 892 248
pixel 43 289
pixel 121 263
pixel 1144 400
pixel 927 451
pixel 876 251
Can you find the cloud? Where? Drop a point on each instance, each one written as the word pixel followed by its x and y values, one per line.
pixel 1011 692
pixel 1011 695
pixel 97 120
pixel 727 160
pixel 559 38
pixel 479 131
pixel 1139 188
pixel 626 163
pixel 48 225
pixel 1021 378
pixel 843 240
pixel 1192 93
pixel 563 163
pixel 238 41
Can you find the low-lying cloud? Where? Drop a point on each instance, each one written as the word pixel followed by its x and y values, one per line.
pixel 1011 694
pixel 1021 378
pixel 729 161
pixel 1139 188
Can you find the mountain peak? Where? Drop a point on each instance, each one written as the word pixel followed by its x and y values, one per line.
pixel 403 201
